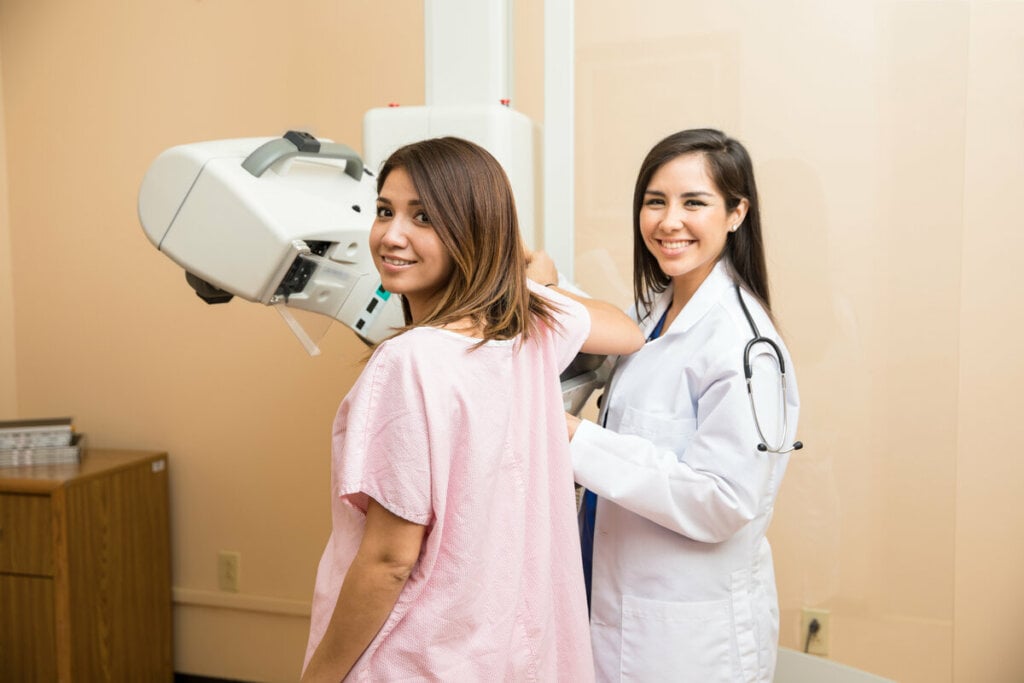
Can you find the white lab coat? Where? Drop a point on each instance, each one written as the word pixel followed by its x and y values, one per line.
pixel 683 585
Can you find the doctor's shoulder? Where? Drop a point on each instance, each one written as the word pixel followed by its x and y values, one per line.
pixel 733 331
pixel 723 340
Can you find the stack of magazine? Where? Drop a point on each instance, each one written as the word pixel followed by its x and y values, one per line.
pixel 46 441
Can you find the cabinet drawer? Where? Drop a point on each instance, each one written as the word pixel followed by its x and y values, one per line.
pixel 26 538
pixel 28 631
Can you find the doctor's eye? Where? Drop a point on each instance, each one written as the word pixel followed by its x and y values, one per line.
pixel 654 201
pixel 693 203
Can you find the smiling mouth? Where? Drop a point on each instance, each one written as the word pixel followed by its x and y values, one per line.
pixel 392 261
pixel 672 245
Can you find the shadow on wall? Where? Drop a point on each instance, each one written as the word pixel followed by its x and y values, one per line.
pixel 821 329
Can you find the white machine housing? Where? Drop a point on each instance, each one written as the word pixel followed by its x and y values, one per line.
pixel 504 132
pixel 273 220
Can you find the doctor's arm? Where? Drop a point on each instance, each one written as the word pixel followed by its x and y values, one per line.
pixel 612 332
pixel 716 486
pixel 386 557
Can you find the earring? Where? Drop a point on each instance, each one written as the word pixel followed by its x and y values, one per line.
pixel 734 228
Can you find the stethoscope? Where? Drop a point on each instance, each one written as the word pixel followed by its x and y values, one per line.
pixel 748 374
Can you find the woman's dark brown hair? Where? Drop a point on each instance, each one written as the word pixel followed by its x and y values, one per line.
pixel 728 164
pixel 469 200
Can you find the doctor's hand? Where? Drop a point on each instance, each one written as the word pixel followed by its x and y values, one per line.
pixel 540 268
pixel 571 423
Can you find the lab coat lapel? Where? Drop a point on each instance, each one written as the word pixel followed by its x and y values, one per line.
pixel 706 296
pixel 658 306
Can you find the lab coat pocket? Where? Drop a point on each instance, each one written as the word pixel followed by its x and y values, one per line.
pixel 676 641
pixel 665 430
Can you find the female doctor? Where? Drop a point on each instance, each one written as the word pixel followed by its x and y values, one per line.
pixel 683 587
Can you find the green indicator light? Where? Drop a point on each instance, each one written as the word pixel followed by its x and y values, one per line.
pixel 383 293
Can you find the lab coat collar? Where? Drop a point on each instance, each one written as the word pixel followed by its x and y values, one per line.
pixel 706 296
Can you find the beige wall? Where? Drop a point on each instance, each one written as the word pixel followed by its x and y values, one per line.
pixel 989 593
pixel 887 140
pixel 8 387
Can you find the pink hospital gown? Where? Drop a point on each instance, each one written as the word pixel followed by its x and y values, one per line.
pixel 471 443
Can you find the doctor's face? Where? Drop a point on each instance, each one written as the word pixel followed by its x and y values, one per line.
pixel 407 252
pixel 684 220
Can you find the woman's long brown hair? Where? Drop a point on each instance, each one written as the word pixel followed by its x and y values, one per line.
pixel 469 200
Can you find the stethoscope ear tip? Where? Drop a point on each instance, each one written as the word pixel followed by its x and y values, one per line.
pixel 797 445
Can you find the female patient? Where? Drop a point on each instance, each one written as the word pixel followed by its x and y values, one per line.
pixel 454 553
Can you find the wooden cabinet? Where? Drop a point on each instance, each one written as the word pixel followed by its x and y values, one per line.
pixel 85 570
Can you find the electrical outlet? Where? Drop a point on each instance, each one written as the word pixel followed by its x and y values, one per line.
pixel 227 570
pixel 814 643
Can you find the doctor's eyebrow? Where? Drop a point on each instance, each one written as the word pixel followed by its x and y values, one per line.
pixel 684 195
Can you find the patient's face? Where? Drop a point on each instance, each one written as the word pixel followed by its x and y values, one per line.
pixel 407 251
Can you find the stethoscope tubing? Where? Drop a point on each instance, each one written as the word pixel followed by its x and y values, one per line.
pixel 748 374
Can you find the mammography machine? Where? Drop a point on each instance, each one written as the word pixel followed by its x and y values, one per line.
pixel 278 221
pixel 285 222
